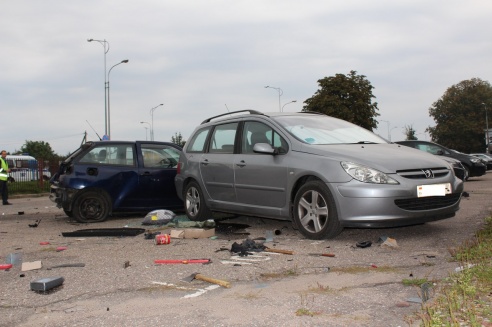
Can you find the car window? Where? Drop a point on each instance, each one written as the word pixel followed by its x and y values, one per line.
pixel 255 132
pixel 431 148
pixel 197 143
pixel 121 154
pixel 222 140
pixel 160 156
pixel 317 129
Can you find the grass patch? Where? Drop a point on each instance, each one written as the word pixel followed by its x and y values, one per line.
pixel 286 273
pixel 465 297
pixel 415 282
pixel 363 269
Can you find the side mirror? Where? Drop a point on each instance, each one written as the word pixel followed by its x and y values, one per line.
pixel 264 148
pixel 440 152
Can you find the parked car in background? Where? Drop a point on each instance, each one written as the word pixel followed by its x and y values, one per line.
pixel 473 166
pixel 102 178
pixel 320 172
pixel 487 159
pixel 25 168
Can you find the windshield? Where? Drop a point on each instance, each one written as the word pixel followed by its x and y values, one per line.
pixel 317 129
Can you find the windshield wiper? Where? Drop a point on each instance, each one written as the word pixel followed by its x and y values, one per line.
pixel 365 142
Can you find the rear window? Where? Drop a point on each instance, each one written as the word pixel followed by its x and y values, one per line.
pixel 121 154
pixel 197 142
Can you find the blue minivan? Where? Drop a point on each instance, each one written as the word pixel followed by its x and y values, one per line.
pixel 106 177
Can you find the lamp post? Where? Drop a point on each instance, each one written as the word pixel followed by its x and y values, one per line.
pixel 105 45
pixel 144 122
pixel 152 116
pixel 280 92
pixel 107 85
pixel 293 101
pixel 487 141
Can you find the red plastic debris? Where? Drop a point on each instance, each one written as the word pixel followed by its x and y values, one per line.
pixel 5 266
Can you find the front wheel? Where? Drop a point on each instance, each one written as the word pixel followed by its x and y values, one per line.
pixel 91 207
pixel 315 212
pixel 195 206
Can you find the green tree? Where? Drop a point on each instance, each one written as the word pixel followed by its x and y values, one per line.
pixel 38 149
pixel 410 133
pixel 347 97
pixel 460 116
pixel 178 139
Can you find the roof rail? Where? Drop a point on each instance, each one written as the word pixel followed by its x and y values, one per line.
pixel 251 112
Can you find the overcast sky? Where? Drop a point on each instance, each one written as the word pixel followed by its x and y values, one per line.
pixel 201 58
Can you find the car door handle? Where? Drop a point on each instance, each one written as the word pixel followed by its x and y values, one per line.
pixel 241 164
pixel 146 173
pixel 204 162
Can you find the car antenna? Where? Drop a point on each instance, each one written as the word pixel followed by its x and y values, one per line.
pixel 93 130
pixel 227 108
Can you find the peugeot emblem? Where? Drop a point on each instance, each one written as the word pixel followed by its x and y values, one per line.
pixel 428 173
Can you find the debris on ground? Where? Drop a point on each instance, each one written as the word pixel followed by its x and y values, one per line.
pixel 27 266
pixel 67 265
pixel 248 245
pixel 201 277
pixel 158 217
pixel 363 244
pixel 105 232
pixel 46 284
pixel 390 243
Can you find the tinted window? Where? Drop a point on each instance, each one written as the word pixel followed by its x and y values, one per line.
pixel 197 143
pixel 222 140
pixel 121 154
pixel 160 156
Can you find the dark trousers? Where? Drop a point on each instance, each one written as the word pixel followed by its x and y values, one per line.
pixel 5 191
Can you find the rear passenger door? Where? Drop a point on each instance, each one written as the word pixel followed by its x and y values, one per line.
pixel 216 164
pixel 157 169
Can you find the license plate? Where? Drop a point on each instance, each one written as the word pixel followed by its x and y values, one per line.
pixel 433 190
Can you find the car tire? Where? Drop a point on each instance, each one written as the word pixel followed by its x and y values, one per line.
pixel 315 213
pixel 68 213
pixel 91 207
pixel 195 207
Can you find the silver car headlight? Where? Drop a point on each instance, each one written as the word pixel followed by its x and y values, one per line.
pixel 367 175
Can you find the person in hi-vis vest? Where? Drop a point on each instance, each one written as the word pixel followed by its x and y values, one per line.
pixel 4 176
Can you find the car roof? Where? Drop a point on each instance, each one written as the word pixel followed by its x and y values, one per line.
pixel 248 112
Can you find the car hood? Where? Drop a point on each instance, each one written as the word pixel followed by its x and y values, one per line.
pixel 387 158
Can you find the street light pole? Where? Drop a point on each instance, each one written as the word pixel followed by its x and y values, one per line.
pixel 152 116
pixel 109 114
pixel 293 101
pixel 487 141
pixel 280 92
pixel 144 122
pixel 105 45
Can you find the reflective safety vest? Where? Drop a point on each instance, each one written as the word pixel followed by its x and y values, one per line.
pixel 4 168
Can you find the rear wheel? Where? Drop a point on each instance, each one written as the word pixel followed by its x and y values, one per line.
pixel 315 214
pixel 91 207
pixel 195 206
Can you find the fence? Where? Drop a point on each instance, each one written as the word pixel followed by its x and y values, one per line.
pixel 31 177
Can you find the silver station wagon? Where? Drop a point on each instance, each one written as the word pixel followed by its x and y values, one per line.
pixel 320 172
